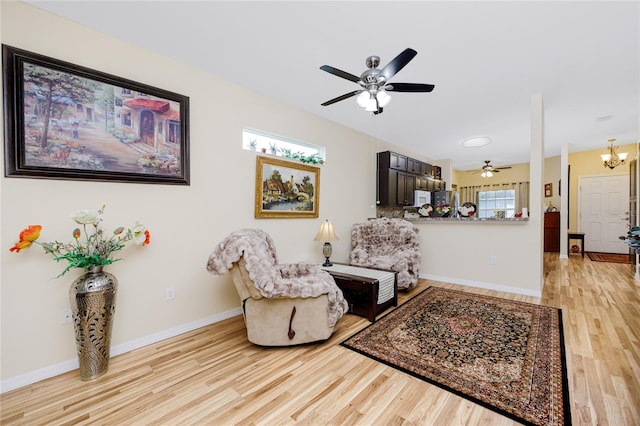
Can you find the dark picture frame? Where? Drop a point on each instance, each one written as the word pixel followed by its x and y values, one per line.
pixel 548 190
pixel 285 189
pixel 65 121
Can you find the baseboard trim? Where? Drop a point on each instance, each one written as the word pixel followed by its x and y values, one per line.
pixel 72 364
pixel 484 285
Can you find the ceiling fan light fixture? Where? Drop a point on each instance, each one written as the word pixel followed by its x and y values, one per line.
pixel 364 99
pixel 486 174
pixel 374 82
pixel 476 141
pixel 383 98
pixel 367 100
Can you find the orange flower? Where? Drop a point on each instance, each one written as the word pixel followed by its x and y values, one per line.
pixel 147 238
pixel 27 237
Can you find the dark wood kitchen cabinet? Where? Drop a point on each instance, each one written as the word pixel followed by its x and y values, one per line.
pixel 395 188
pixel 394 161
pixel 399 176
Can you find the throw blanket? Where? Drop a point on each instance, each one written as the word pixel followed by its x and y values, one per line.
pixel 273 279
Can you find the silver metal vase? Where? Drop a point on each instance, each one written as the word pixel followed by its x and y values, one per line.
pixel 93 304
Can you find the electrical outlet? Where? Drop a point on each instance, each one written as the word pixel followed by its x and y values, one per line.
pixel 493 260
pixel 65 316
pixel 171 293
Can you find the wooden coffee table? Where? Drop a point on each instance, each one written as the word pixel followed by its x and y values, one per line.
pixel 367 291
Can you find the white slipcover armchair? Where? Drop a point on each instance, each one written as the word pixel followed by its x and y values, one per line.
pixel 283 304
pixel 391 244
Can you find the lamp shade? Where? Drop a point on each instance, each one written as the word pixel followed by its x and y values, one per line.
pixel 326 233
pixel 367 100
pixel 364 99
pixel 383 98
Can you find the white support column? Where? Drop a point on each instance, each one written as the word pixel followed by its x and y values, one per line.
pixel 564 200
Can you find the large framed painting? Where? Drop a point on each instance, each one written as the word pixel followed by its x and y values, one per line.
pixel 64 121
pixel 285 189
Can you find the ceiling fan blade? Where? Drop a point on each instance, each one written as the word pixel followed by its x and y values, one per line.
pixel 503 168
pixel 341 98
pixel 398 63
pixel 340 73
pixel 409 87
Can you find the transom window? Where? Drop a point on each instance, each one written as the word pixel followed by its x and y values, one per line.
pixel 257 140
pixel 501 203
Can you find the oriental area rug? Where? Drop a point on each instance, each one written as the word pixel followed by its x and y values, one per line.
pixel 505 355
pixel 608 257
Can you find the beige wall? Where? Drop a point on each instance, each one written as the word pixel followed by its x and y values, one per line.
pixel 461 252
pixel 552 176
pixel 187 221
pixel 589 163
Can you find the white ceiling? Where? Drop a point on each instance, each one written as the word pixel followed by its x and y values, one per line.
pixel 486 59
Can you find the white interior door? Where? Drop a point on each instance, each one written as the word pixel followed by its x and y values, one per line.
pixel 603 214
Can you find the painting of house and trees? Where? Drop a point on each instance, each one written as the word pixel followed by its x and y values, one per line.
pixel 80 123
pixel 286 189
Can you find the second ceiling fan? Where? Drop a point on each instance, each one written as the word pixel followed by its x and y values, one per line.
pixel 488 170
pixel 374 82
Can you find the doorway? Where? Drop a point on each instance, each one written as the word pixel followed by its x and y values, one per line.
pixel 147 128
pixel 603 213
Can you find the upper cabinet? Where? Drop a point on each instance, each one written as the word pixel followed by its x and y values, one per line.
pixel 399 176
pixel 395 161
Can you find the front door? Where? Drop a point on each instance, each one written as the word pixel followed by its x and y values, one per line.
pixel 603 214
pixel 147 128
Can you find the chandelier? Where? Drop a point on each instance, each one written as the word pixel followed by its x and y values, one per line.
pixel 613 159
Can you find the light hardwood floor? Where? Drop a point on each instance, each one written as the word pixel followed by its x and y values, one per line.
pixel 214 376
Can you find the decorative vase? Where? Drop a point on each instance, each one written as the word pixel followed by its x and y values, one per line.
pixel 93 297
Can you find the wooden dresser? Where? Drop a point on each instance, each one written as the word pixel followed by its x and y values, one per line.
pixel 552 231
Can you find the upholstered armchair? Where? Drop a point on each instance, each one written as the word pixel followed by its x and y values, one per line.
pixel 386 243
pixel 282 304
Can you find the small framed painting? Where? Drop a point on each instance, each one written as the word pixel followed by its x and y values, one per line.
pixel 285 189
pixel 65 121
pixel 548 190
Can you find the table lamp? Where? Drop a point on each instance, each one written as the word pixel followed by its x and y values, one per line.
pixel 327 235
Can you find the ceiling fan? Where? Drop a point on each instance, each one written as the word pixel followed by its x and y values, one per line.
pixel 488 170
pixel 374 82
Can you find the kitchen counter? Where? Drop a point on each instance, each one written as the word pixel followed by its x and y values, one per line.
pixel 493 220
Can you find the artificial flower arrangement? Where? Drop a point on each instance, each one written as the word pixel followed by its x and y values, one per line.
pixel 95 249
pixel 443 210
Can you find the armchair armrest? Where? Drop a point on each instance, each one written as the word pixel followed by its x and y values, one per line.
pixel 295 270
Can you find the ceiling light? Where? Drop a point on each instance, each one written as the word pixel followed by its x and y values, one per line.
pixel 613 159
pixel 367 100
pixel 486 174
pixel 476 141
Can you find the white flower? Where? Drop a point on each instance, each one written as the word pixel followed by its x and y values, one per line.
pixel 137 231
pixel 86 217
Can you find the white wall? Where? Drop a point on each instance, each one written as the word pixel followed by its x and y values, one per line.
pixel 187 221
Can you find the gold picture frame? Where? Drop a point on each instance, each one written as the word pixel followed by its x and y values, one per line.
pixel 285 189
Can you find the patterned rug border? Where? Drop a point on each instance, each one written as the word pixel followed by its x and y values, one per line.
pixel 601 257
pixel 565 383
